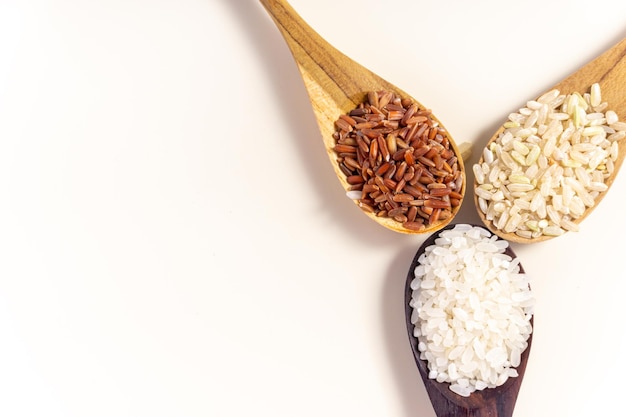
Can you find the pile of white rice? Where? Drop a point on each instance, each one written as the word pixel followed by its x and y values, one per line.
pixel 549 164
pixel 471 309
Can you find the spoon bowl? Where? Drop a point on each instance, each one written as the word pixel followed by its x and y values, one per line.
pixel 490 402
pixel 609 71
pixel 336 85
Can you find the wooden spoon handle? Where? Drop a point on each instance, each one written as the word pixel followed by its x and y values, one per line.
pixel 445 408
pixel 493 402
pixel 609 69
pixel 342 78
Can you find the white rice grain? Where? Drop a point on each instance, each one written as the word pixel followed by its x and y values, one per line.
pixel 354 195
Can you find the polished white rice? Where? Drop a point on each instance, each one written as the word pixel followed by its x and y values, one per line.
pixel 471 309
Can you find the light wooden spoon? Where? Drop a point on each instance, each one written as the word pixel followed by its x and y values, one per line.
pixel 336 85
pixel 608 70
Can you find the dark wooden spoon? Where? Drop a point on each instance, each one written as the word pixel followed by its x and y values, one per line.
pixel 490 402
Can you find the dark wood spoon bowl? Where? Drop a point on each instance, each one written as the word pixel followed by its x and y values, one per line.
pixel 490 402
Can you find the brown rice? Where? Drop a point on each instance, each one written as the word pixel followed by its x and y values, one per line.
pixel 400 160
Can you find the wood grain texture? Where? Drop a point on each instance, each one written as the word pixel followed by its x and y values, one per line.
pixel 336 84
pixel 490 402
pixel 608 70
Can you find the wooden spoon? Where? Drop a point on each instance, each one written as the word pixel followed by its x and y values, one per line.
pixel 490 402
pixel 608 70
pixel 336 85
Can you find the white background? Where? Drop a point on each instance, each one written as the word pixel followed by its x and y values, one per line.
pixel 173 241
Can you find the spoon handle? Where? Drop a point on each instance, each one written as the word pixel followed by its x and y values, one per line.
pixel 446 408
pixel 608 69
pixel 493 402
pixel 321 64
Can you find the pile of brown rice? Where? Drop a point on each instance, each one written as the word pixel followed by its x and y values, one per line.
pixel 398 161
